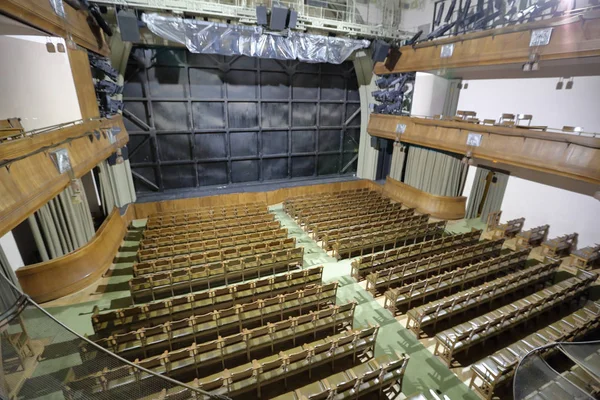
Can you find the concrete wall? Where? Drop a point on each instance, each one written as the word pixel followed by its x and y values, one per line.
pixel 566 205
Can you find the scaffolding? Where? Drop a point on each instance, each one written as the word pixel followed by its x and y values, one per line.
pixel 354 18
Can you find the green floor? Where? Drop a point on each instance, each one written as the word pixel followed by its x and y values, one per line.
pixel 424 371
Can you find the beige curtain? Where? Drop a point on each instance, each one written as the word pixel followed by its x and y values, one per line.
pixel 116 185
pixel 435 172
pixel 493 197
pixel 476 193
pixel 62 226
pixel 397 165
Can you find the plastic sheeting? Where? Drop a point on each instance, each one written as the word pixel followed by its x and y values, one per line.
pixel 218 38
pixel 58 7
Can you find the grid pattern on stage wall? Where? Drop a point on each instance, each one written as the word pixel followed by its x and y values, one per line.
pixel 198 119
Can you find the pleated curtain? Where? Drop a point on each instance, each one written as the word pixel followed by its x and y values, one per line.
pixel 435 172
pixel 495 195
pixel 116 185
pixel 8 295
pixel 60 226
pixel 493 198
pixel 477 192
pixel 397 165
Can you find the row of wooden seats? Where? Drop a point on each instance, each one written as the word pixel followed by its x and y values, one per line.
pixel 461 337
pixel 382 280
pixel 244 225
pixel 486 293
pixel 212 210
pixel 176 334
pixel 254 376
pixel 181 261
pixel 296 204
pixel 532 237
pixel 212 253
pixel 195 217
pixel 337 234
pixel 489 372
pixel 456 279
pixel 318 230
pixel 509 228
pixel 379 375
pixel 336 212
pixel 187 280
pixel 323 196
pixel 586 257
pixel 559 245
pixel 170 236
pixel 215 243
pixel 201 355
pixel 154 313
pixel 341 204
pixel 363 266
pixel 368 243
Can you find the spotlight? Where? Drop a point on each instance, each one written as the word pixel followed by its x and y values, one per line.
pixel 535 66
pixel 472 162
pixel 526 67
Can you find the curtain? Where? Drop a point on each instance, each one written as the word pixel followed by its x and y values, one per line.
pixel 116 185
pixel 8 295
pixel 397 161
pixel 476 193
pixel 493 197
pixel 62 225
pixel 435 172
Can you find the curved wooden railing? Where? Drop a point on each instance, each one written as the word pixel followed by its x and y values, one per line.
pixel 444 207
pixel 64 275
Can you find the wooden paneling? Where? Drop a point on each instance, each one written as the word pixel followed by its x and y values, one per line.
pixel 444 207
pixel 572 37
pixel 573 156
pixel 39 14
pixel 65 275
pixel 31 179
pixel 84 86
pixel 143 210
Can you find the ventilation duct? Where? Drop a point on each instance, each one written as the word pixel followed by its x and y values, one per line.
pixel 230 40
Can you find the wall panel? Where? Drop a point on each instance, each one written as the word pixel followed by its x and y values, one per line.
pixel 199 120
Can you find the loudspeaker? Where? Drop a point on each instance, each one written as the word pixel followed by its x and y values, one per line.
pixel 392 58
pixel 279 16
pixel 128 25
pixel 261 15
pixel 380 50
pixel 293 19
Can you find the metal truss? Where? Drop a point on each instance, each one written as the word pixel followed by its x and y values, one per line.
pixel 354 18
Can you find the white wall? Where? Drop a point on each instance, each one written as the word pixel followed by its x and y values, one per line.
pixel 555 108
pixel 11 251
pixel 429 95
pixel 566 205
pixel 36 85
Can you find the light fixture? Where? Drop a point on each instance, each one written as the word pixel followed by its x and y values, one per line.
pixel 535 66
pixel 526 67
